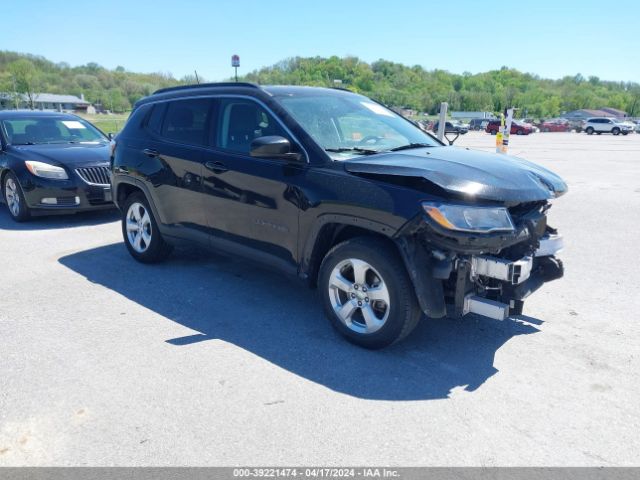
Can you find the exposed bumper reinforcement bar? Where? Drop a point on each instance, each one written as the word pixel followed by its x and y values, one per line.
pixel 485 307
pixel 512 272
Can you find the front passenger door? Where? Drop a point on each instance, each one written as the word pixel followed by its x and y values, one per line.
pixel 249 202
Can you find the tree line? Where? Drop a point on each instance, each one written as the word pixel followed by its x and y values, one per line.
pixel 391 83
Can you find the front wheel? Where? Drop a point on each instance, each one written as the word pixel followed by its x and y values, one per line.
pixel 14 198
pixel 615 131
pixel 140 231
pixel 367 294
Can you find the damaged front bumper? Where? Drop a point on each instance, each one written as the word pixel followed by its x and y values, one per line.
pixel 491 275
pixel 497 287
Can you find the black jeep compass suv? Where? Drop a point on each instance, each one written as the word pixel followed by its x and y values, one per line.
pixel 335 188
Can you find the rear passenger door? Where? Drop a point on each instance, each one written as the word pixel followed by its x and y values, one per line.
pixel 248 201
pixel 180 132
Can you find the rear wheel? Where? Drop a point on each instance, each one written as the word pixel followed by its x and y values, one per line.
pixel 589 130
pixel 14 198
pixel 140 231
pixel 367 294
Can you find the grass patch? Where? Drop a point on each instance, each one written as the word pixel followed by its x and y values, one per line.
pixel 108 123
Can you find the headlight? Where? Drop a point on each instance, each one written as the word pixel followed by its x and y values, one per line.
pixel 44 170
pixel 470 219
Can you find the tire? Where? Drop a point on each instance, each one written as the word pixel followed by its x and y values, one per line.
pixel 140 231
pixel 14 198
pixel 589 130
pixel 349 273
pixel 546 130
pixel 519 132
pixel 494 132
pixel 625 133
pixel 615 131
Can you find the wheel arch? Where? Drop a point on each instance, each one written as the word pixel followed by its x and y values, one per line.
pixel 330 230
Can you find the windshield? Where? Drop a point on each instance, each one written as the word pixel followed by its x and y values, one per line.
pixel 38 130
pixel 350 125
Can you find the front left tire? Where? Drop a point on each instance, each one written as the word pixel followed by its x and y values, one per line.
pixel 367 294
pixel 14 198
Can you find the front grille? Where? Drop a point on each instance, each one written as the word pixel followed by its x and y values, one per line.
pixel 95 175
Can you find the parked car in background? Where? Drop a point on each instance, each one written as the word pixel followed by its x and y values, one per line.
pixel 478 123
pixel 555 125
pixel 637 126
pixel 517 128
pixel 607 125
pixel 452 127
pixel 377 214
pixel 52 163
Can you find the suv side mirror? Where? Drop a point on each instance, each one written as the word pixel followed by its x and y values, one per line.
pixel 273 146
pixel 110 136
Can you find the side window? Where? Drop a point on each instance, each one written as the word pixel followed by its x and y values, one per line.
pixel 242 121
pixel 154 119
pixel 185 121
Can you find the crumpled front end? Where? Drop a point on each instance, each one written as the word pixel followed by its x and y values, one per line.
pixel 489 274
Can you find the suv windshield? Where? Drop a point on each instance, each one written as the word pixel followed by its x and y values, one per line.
pixel 37 130
pixel 349 125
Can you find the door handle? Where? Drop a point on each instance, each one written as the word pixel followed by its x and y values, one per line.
pixel 150 152
pixel 216 167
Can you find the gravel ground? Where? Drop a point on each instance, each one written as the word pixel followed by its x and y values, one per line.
pixel 208 360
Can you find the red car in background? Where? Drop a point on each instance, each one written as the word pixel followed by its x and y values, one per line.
pixel 517 128
pixel 555 125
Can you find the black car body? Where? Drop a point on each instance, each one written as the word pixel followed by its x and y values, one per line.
pixel 452 127
pixel 479 123
pixel 267 173
pixel 52 163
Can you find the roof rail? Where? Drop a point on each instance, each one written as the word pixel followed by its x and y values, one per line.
pixel 207 85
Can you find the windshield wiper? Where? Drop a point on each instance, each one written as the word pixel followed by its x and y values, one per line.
pixel 410 146
pixel 364 151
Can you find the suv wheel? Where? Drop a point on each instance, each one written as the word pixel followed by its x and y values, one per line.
pixel 589 130
pixel 615 130
pixel 140 231
pixel 14 198
pixel 367 294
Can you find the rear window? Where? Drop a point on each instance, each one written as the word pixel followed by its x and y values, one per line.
pixel 154 120
pixel 186 121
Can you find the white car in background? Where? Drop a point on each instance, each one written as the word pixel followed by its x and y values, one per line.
pixel 607 125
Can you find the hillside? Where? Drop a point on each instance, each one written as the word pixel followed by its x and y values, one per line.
pixel 391 83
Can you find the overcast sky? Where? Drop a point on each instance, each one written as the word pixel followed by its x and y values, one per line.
pixel 549 38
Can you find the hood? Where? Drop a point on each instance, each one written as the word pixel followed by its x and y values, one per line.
pixel 69 154
pixel 469 173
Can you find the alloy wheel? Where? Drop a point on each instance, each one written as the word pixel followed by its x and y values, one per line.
pixel 12 196
pixel 139 229
pixel 359 296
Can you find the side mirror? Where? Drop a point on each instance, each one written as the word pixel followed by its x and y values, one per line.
pixel 110 136
pixel 273 146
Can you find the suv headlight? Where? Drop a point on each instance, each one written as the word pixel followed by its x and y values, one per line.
pixel 465 218
pixel 44 170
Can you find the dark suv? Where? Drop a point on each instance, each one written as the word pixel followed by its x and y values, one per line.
pixel 342 192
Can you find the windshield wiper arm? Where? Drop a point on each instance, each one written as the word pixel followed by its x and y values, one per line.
pixel 364 151
pixel 410 146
